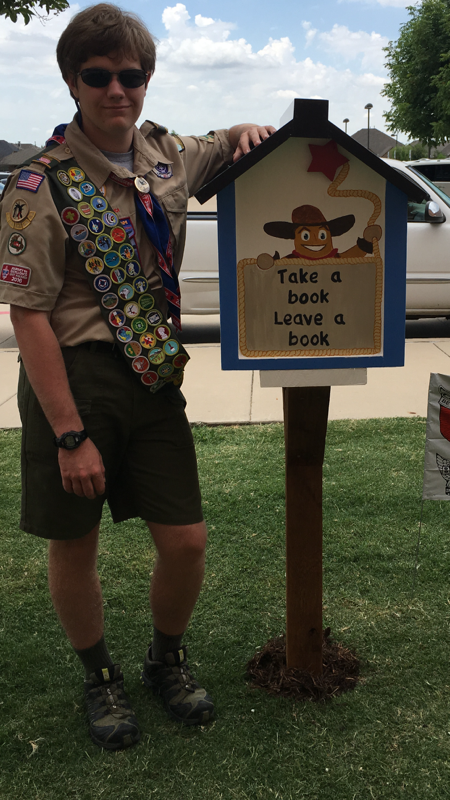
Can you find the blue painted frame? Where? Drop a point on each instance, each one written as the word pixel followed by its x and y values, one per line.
pixel 394 293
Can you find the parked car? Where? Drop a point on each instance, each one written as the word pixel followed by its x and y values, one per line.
pixel 436 170
pixel 428 259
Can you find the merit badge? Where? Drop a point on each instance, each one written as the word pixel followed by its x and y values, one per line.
pixel 76 174
pixel 131 310
pixel 142 185
pixel 70 215
pixel 74 193
pixel 118 275
pixel 96 226
pixel 99 203
pixel 126 251
pixel 30 181
pixel 140 285
pixel 146 302
pixel 16 244
pixel 126 291
pixel 79 232
pixel 133 269
pixel 156 356
pixel 133 349
pixel 180 361
pixel 124 334
pixel 154 317
pixel 86 249
pixel 109 300
pixel 112 259
pixel 101 282
pixel 19 217
pixel 171 347
pixel 117 318
pixel 63 177
pixel 163 170
pixel 95 266
pixel 139 325
pixel 87 188
pixel 104 242
pixel 11 273
pixel 140 364
pixel 147 340
pixel 85 209
pixel 149 378
pixel 165 370
pixel 110 219
pixel 118 234
pixel 163 332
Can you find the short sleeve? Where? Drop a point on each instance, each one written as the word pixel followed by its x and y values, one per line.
pixel 32 243
pixel 204 156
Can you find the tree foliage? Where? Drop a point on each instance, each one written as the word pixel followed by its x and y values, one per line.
pixel 419 69
pixel 30 8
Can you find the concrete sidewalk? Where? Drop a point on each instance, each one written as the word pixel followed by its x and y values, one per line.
pixel 236 397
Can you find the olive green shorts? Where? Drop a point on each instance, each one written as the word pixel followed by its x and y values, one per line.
pixel 144 439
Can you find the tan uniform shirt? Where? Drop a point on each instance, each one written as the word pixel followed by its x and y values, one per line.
pixel 52 277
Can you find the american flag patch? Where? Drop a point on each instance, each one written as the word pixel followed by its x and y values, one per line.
pixel 30 181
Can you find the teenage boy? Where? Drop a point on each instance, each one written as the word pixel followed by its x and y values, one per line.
pixel 92 237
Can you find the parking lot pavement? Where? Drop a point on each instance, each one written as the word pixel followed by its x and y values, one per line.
pixel 215 396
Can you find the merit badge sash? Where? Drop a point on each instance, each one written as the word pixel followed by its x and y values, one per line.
pixel 111 261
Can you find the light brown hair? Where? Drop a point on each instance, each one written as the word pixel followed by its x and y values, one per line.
pixel 101 30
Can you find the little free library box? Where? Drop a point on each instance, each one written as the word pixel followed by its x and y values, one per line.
pixel 312 268
pixel 312 250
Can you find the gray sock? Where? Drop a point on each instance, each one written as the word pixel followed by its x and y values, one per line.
pixel 95 657
pixel 163 644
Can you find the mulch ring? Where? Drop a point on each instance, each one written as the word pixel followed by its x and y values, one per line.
pixel 267 670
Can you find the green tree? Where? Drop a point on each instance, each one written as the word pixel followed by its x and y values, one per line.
pixel 30 8
pixel 419 70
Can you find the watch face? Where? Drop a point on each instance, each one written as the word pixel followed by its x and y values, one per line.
pixel 70 441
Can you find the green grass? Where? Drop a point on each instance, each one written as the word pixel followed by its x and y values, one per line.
pixel 388 739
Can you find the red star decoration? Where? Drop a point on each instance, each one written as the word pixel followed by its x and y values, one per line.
pixel 326 158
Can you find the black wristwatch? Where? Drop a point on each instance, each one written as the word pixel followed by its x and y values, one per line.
pixel 71 439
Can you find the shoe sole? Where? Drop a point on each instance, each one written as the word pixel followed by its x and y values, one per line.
pixel 207 716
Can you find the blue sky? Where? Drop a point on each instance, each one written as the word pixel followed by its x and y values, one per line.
pixel 219 63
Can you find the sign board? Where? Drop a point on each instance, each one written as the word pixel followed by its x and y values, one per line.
pixel 312 252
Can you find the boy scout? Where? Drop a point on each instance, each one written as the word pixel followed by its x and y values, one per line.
pixel 92 236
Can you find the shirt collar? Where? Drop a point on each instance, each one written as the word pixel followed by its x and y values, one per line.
pixel 98 167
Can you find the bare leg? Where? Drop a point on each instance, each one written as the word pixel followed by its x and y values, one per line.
pixel 75 588
pixel 177 575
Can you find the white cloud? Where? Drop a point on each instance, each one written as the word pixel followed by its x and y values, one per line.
pixel 353 44
pixel 310 32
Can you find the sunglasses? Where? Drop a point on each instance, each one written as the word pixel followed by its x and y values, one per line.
pixel 99 78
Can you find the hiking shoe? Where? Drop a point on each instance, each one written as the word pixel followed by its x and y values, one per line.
pixel 183 696
pixel 112 722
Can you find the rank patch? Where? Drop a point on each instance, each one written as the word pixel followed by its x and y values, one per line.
pixel 30 181
pixel 163 170
pixel 19 276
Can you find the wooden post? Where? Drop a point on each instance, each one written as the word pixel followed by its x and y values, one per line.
pixel 305 428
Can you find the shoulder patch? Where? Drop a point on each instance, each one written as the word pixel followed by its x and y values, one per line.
pixel 157 129
pixel 179 141
pixel 30 181
pixel 207 137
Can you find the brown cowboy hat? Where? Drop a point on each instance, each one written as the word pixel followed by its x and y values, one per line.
pixel 309 215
